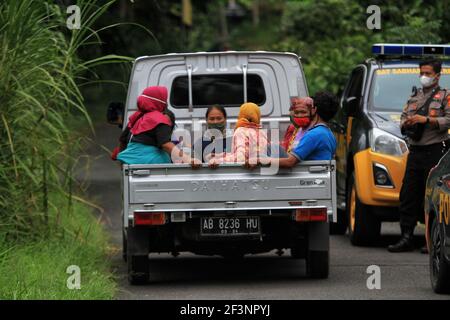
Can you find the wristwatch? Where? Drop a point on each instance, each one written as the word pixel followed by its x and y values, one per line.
pixel 428 120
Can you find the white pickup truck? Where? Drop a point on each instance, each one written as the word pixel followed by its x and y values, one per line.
pixel 229 211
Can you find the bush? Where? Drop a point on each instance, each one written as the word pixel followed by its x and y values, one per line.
pixel 40 101
pixel 43 229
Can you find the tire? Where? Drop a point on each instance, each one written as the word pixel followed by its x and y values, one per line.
pixel 138 269
pixel 233 257
pixel 363 227
pixel 340 227
pixel 124 245
pixel 298 252
pixel 439 267
pixel 318 264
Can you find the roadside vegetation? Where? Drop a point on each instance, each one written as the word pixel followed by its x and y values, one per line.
pixel 46 223
pixel 41 268
pixel 331 36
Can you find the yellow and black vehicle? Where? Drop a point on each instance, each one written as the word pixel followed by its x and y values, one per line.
pixel 437 218
pixel 371 154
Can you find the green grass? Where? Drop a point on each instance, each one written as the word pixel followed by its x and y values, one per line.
pixel 44 227
pixel 37 270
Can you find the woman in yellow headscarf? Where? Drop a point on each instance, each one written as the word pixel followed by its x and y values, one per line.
pixel 249 141
pixel 249 116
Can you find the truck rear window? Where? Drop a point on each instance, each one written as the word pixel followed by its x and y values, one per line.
pixel 226 90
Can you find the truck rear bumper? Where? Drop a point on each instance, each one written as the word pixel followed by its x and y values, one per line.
pixel 276 233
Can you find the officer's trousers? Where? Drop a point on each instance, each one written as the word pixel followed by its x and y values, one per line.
pixel 420 161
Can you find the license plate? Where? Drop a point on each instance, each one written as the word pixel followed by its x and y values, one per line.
pixel 230 226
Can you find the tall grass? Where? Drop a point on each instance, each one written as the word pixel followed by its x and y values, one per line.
pixel 40 75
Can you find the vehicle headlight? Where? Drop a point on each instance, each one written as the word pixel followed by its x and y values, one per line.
pixel 386 143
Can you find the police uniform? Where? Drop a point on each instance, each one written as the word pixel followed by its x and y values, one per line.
pixel 424 154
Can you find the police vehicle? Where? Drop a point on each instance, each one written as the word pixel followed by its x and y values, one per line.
pixel 437 218
pixel 371 153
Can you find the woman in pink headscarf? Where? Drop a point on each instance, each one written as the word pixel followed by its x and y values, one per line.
pixel 148 134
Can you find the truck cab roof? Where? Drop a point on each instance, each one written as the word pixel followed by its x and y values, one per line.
pixel 229 78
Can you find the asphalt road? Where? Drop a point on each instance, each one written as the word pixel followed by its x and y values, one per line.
pixel 262 276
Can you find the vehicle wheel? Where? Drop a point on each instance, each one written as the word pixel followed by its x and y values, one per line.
pixel 340 227
pixel 318 264
pixel 439 268
pixel 233 256
pixel 296 253
pixel 124 245
pixel 299 251
pixel 363 227
pixel 138 269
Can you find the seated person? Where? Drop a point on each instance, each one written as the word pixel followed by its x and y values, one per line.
pixel 147 138
pixel 299 108
pixel 318 143
pixel 248 139
pixel 216 119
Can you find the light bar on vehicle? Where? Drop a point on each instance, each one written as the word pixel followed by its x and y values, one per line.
pixel 410 49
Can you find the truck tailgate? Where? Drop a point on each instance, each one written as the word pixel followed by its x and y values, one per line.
pixel 230 187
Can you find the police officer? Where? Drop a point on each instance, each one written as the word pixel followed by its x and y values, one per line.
pixel 425 121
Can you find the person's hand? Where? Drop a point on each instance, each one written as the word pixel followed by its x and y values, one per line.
pixel 114 153
pixel 208 157
pixel 251 163
pixel 195 163
pixel 415 119
pixel 213 163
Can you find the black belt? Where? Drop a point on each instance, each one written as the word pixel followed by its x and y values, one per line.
pixel 443 144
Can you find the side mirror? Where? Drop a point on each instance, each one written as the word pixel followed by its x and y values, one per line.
pixel 351 104
pixel 115 113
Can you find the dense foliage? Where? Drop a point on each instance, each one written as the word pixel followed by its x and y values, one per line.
pixel 330 35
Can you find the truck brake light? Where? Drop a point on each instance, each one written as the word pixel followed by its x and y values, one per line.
pixel 149 218
pixel 311 215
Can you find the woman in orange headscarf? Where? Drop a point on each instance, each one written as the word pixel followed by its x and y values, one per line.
pixel 249 141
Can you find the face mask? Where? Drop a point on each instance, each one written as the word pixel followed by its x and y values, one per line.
pixel 426 81
pixel 217 126
pixel 301 122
